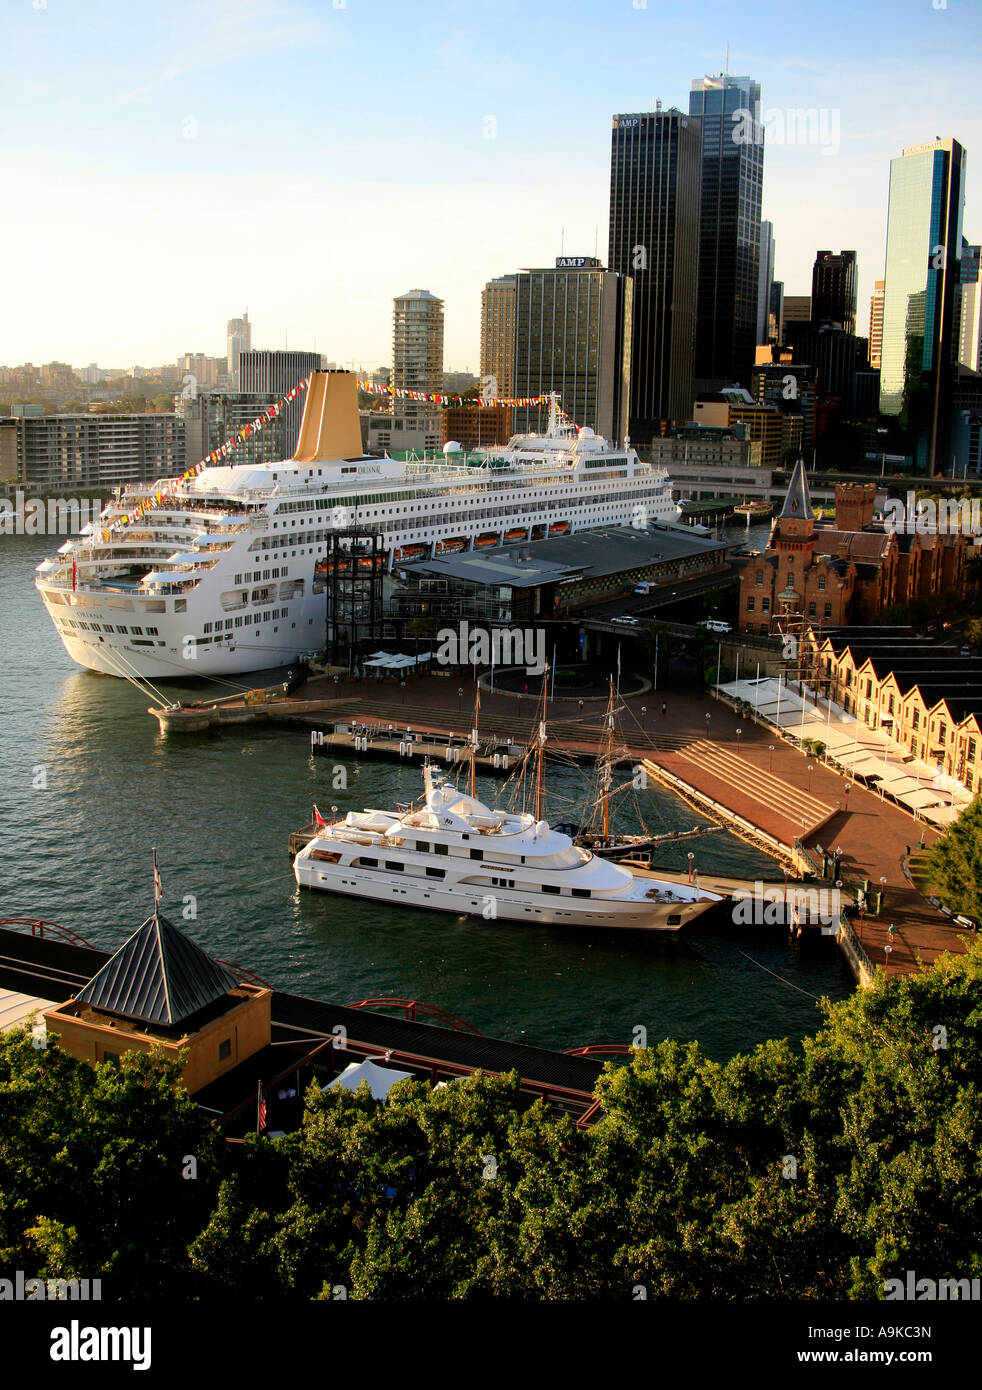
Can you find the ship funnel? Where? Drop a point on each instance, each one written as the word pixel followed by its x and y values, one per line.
pixel 330 428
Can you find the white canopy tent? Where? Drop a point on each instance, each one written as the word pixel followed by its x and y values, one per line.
pixel 380 1079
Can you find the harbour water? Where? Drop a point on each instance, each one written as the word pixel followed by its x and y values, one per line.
pixel 89 786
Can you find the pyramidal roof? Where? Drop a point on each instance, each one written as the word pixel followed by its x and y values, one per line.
pixel 158 976
pixel 798 504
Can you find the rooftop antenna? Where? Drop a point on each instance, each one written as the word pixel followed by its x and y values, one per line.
pixel 595 234
pixel 726 65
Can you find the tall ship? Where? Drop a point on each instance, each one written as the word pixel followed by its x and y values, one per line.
pixel 223 570
pixel 452 853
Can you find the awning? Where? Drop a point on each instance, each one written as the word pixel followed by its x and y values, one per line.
pixel 380 1079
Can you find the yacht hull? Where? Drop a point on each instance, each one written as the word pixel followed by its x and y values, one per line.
pixel 502 907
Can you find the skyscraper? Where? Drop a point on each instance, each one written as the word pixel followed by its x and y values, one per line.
pixel 654 238
pixel 239 336
pixel 573 335
pixel 275 373
pixel 876 324
pixel 765 281
pixel 417 344
pixel 970 339
pixel 728 109
pixel 498 336
pixel 922 297
pixel 834 279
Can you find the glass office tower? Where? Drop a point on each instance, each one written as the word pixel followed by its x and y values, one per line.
pixel 922 297
pixel 728 109
pixel 654 238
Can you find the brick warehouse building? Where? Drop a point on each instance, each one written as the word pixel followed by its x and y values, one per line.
pixel 845 573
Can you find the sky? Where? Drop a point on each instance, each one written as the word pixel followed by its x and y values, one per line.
pixel 167 166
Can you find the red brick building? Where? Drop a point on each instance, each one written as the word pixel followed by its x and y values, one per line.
pixel 846 573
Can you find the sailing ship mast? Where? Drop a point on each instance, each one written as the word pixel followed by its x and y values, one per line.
pixel 477 710
pixel 539 781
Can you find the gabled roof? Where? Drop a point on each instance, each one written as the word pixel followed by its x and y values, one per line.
pixel 797 504
pixel 158 976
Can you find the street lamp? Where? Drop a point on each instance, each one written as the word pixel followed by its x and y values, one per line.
pixel 580 703
pixel 460 696
pixel 770 759
pixel 708 718
pixel 811 769
pixel 403 687
pixel 644 714
pixel 691 857
pixel 738 733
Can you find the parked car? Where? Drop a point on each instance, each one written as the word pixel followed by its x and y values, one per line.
pixel 714 625
pixel 626 618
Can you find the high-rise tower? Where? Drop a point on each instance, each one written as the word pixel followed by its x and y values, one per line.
pixel 654 237
pixel 728 109
pixel 834 278
pixel 922 297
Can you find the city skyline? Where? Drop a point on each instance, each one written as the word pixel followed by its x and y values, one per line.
pixel 122 116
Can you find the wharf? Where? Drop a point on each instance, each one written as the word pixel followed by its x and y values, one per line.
pixel 56 970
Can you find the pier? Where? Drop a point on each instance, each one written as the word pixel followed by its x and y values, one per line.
pixel 318 1037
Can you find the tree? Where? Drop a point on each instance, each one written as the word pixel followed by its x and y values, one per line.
pixel 954 863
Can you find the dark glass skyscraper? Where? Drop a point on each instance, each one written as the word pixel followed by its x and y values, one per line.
pixel 654 237
pixel 834 279
pixel 728 109
pixel 922 297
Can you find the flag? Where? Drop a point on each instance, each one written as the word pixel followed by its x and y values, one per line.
pixel 260 1110
pixel 318 817
pixel 158 891
pixel 74 574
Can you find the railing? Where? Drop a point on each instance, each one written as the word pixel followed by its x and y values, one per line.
pixel 39 927
pixel 411 1007
pixel 245 977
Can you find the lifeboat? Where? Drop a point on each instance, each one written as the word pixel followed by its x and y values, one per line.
pixel 452 546
pixel 517 533
pixel 559 528
pixel 489 538
pixel 410 552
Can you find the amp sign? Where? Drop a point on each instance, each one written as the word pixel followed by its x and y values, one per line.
pixel 576 262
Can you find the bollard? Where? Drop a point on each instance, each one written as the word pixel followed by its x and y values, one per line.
pixel 497 760
pixel 504 761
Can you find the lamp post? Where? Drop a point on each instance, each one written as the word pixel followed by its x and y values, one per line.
pixel 580 703
pixel 644 715
pixel 403 687
pixel 738 733
pixel 811 769
pixel 460 696
pixel 708 719
pixel 770 757
pixel 691 857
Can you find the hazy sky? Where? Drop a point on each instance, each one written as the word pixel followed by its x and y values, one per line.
pixel 164 166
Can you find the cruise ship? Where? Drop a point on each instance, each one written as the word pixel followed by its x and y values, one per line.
pixel 454 854
pixel 224 571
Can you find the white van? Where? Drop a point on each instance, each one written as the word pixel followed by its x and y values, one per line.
pixel 714 625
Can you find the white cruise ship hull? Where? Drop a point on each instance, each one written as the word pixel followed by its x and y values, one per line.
pixel 215 574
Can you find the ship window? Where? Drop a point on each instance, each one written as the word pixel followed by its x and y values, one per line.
pixel 436 873
pixel 440 849
pixel 580 892
pixel 394 865
pixel 423 846
pixel 476 853
pixel 549 888
pixel 366 863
